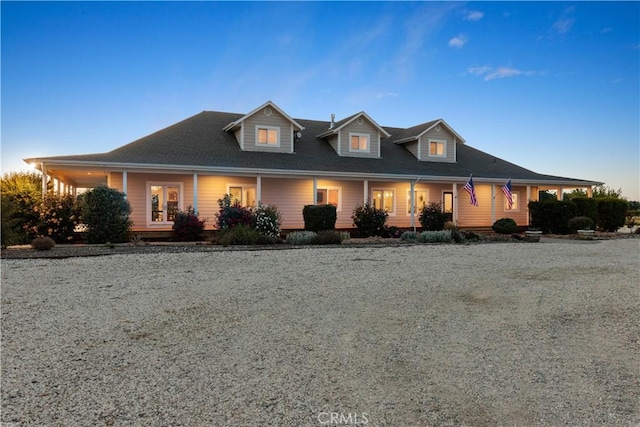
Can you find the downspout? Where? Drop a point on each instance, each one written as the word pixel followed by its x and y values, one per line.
pixel 44 180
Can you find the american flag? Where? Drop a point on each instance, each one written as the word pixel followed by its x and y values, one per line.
pixel 506 189
pixel 472 191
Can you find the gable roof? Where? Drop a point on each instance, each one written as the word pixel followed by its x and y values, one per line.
pixel 200 143
pixel 415 132
pixel 337 126
pixel 237 122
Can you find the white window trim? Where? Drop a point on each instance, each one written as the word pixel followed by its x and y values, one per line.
pixel 262 144
pixel 439 141
pixel 147 202
pixel 339 207
pixel 244 188
pixel 395 197
pixel 505 207
pixel 359 134
pixel 417 212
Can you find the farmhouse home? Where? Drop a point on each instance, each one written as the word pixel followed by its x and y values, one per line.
pixel 267 156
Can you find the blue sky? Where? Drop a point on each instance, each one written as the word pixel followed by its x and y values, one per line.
pixel 551 86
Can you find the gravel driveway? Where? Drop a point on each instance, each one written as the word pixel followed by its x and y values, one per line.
pixel 483 334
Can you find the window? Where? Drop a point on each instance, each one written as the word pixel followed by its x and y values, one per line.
pixel 267 135
pixel 359 142
pixel 329 196
pixel 419 199
pixel 245 196
pixel 384 199
pixel 437 148
pixel 515 207
pixel 164 201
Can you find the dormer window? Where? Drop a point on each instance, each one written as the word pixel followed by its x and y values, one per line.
pixel 359 142
pixel 437 148
pixel 266 135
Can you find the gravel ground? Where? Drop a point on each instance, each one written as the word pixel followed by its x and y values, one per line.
pixel 486 334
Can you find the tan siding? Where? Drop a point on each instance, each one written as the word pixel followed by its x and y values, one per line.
pixel 290 196
pixel 275 120
pixel 442 135
pixel 472 216
pixel 413 148
pixel 352 195
pixel 365 127
pixel 333 141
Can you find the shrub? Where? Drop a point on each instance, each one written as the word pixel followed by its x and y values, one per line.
pixel 232 214
pixel 43 243
pixel 327 237
pixel 56 216
pixel 267 240
pixel 432 218
pixel 319 217
pixel 580 223
pixel 19 193
pixel 187 225
pixel 586 206
pixel 435 236
pixel 105 212
pixel 392 231
pixel 409 236
pixel 552 216
pixel 504 226
pixel 611 213
pixel 240 234
pixel 300 237
pixel 369 221
pixel 268 220
pixel 470 236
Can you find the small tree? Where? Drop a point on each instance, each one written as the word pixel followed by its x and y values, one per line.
pixel 105 212
pixel 20 192
pixel 268 220
pixel 369 220
pixel 432 218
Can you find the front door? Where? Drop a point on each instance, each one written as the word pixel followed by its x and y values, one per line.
pixel 447 204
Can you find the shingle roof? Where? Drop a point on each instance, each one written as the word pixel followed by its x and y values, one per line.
pixel 200 141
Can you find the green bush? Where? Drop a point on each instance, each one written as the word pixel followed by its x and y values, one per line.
pixel 232 214
pixel 409 236
pixel 19 193
pixel 187 225
pixel 552 216
pixel 319 217
pixel 327 237
pixel 580 223
pixel 43 243
pixel 300 237
pixel 435 236
pixel 432 218
pixel 504 226
pixel 370 221
pixel 586 206
pixel 611 213
pixel 56 216
pixel 105 212
pixel 239 234
pixel 267 220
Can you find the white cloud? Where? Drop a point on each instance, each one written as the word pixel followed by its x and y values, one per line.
pixel 563 26
pixel 392 95
pixel 490 73
pixel 474 15
pixel 458 41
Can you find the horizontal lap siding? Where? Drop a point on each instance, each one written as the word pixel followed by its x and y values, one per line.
pixel 275 120
pixel 474 216
pixel 366 128
pixel 290 196
pixel 352 196
pixel 441 136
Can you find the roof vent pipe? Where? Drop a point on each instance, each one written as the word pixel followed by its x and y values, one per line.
pixel 333 123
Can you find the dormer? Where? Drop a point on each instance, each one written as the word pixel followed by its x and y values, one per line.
pixel 267 128
pixel 355 136
pixel 433 141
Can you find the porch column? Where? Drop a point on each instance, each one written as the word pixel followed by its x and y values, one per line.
pixel 366 191
pixel 527 204
pixel 259 188
pixel 455 203
pixel 315 190
pixel 560 193
pixel 493 203
pixel 124 183
pixel 44 179
pixel 589 191
pixel 412 205
pixel 195 191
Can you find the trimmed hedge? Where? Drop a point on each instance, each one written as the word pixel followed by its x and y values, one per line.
pixel 319 217
pixel 611 213
pixel 504 226
pixel 370 221
pixel 552 216
pixel 588 207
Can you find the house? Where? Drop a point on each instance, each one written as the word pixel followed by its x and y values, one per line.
pixel 268 156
